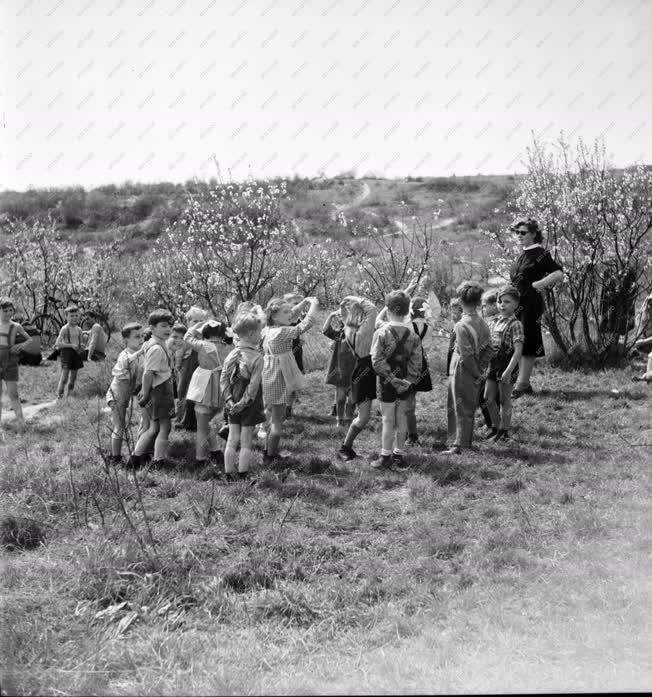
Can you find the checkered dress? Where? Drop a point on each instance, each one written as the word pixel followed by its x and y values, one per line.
pixel 281 375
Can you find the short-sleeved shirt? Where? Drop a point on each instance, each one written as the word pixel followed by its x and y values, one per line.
pixel 158 361
pixel 505 332
pixel 532 265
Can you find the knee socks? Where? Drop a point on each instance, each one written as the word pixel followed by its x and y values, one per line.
pixel 354 432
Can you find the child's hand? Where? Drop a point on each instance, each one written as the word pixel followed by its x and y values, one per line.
pixel 506 376
pixel 143 400
pixel 402 385
pixel 236 408
pixel 16 348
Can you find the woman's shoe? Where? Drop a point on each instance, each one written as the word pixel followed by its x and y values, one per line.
pixel 520 391
pixel 453 450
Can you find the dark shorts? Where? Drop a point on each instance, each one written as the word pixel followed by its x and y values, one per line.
pixel 8 365
pixel 497 366
pixel 252 415
pixel 161 405
pixel 363 381
pixel 387 392
pixel 297 352
pixel 70 359
pixel 424 383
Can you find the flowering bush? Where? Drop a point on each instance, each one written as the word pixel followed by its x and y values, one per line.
pixel 228 247
pixel 596 223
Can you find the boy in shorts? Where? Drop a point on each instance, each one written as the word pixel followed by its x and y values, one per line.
pixel 9 351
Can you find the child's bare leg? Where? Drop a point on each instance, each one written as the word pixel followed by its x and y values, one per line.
pixel 206 440
pixel 411 414
pixel 246 450
pixel 349 408
pixel 12 391
pixel 401 425
pixel 147 438
pixel 388 412
pixel 276 430
pixel 161 442
pixel 230 452
pixel 118 415
pixel 490 392
pixel 71 381
pixel 505 405
pixel 63 380
pixel 340 404
pixel 1 382
pixel 360 421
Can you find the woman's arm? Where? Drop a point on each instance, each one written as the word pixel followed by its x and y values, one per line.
pixel 548 281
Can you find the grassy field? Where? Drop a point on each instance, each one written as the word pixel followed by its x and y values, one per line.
pixel 523 567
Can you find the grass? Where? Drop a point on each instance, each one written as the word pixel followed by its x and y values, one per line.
pixel 523 567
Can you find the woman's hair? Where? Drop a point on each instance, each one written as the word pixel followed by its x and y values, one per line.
pixel 273 306
pixel 131 327
pixel 398 302
pixel 532 226
pixel 159 316
pixel 470 292
pixel 245 323
pixel 490 297
pixel 213 330
pixel 509 290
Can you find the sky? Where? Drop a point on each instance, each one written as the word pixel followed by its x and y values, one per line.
pixel 105 91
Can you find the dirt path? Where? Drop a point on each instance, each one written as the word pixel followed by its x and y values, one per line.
pixel 340 207
pixel 29 410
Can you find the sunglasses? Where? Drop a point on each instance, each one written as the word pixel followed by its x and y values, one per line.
pixel 521 232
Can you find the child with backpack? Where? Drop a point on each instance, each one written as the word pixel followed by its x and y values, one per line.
pixel 9 352
pixel 241 384
pixel 471 356
pixel 340 367
pixel 421 322
pixel 507 339
pixel 396 358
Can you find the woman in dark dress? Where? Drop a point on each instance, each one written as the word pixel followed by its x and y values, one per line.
pixel 533 272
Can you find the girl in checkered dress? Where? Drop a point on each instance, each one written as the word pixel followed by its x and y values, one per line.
pixel 281 375
pixel 507 339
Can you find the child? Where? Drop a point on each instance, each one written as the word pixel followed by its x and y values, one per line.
pixel 204 389
pixel 281 375
pixel 70 346
pixel 507 340
pixel 340 367
pixel 298 313
pixel 359 317
pixel 157 394
pixel 185 414
pixel 489 311
pixel 396 358
pixel 176 347
pixel 421 325
pixel 470 359
pixel 243 394
pixel 97 340
pixel 127 380
pixel 9 351
pixel 456 316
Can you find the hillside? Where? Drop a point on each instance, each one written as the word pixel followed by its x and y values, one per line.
pixel 139 213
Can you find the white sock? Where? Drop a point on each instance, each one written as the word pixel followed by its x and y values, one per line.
pixel 230 458
pixel 160 449
pixel 384 452
pixel 244 460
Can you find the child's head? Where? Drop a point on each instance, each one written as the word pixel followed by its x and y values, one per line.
pixel 176 337
pixel 278 312
pixel 72 315
pixel 195 314
pixel 247 326
pixel 213 331
pixel 456 309
pixel 418 307
pixel 489 303
pixel 250 307
pixel 6 309
pixel 354 315
pixel 470 294
pixel 161 322
pixel 398 305
pixel 132 333
pixel 508 300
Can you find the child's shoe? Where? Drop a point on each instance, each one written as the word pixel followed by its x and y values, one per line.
pixel 382 462
pixel 398 463
pixel 501 435
pixel 412 439
pixel 159 464
pixel 135 461
pixel 453 450
pixel 490 433
pixel 288 412
pixel 346 453
pixel 116 459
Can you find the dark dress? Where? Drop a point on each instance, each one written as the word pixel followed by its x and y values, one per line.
pixel 185 417
pixel 342 362
pixel 532 265
pixel 424 383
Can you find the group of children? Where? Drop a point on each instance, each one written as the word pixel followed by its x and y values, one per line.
pixel 252 371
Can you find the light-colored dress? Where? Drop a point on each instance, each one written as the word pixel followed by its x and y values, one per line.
pixel 204 388
pixel 281 375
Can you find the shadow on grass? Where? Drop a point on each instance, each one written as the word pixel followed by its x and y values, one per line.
pixel 587 395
